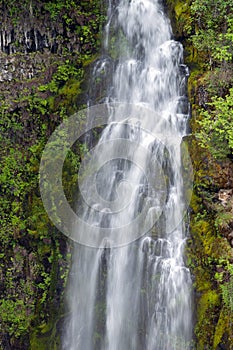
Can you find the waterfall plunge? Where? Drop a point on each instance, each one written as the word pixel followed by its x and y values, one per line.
pixel 137 296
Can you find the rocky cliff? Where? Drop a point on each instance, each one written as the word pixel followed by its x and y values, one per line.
pixel 210 247
pixel 45 48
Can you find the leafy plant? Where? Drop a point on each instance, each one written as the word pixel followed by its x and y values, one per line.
pixel 216 131
pixel 15 314
pixel 213 36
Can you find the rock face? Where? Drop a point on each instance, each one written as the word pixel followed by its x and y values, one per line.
pixel 60 28
pixel 28 35
pixel 44 46
pixel 25 38
pixel 38 27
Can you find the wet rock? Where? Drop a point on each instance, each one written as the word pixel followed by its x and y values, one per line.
pixel 32 35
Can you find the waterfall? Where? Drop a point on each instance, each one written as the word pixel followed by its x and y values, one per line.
pixel 135 295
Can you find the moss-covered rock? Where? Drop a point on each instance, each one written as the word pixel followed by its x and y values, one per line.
pixel 210 255
pixel 45 51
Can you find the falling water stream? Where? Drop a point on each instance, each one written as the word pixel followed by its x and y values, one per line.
pixel 136 296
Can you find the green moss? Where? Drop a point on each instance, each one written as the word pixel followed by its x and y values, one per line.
pixel 220 328
pixel 34 262
pixel 207 251
pixel 193 80
pixel 89 59
pixel 179 13
pixel 181 8
pixel 45 337
pixel 208 304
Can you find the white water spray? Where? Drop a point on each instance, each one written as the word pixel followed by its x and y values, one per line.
pixel 137 296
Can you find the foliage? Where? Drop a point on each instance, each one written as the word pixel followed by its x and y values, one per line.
pixel 207 35
pixel 227 291
pixel 15 313
pixel 33 259
pixel 64 73
pixel 209 260
pixel 216 131
pixel 213 22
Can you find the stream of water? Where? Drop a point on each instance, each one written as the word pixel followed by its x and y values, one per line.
pixel 136 296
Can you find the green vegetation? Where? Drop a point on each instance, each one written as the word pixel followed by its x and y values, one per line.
pixel 216 123
pixel 209 260
pixel 211 34
pixel 208 37
pixel 213 37
pixel 34 257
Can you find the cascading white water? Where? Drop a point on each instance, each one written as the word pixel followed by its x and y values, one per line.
pixel 137 296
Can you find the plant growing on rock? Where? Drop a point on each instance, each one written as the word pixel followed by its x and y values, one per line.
pixel 216 131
